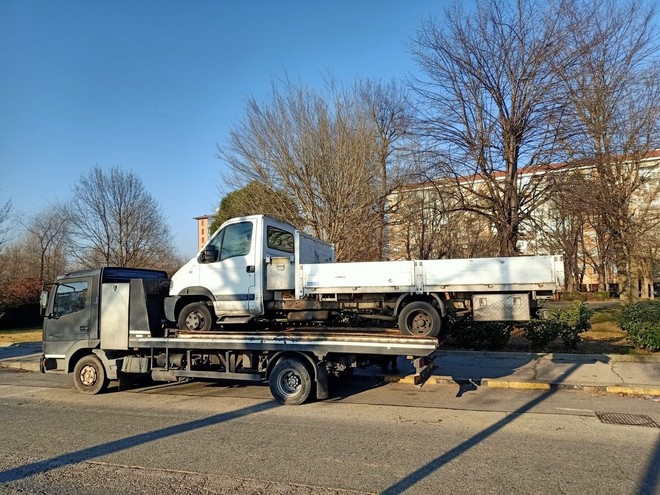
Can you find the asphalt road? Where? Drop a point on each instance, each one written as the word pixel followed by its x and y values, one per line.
pixel 371 438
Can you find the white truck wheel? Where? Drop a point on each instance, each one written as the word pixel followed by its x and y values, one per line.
pixel 421 319
pixel 195 316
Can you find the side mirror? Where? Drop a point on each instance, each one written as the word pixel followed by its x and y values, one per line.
pixel 43 302
pixel 209 255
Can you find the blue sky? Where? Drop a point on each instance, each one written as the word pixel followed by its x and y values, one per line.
pixel 153 86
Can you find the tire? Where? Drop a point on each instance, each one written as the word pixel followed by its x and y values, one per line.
pixel 89 375
pixel 290 382
pixel 195 316
pixel 421 319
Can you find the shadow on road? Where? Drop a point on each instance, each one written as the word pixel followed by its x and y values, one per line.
pixel 86 454
pixel 651 480
pixel 440 461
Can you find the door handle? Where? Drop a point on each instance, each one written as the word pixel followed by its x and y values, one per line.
pixel 249 269
pixel 84 329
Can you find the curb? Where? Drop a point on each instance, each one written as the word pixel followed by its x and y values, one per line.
pixel 630 390
pixel 655 392
pixel 20 365
pixel 555 356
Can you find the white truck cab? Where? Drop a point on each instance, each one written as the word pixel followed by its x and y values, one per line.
pixel 226 282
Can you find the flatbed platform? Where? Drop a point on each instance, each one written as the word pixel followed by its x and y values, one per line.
pixel 379 343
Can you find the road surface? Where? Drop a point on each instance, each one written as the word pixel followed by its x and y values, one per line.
pixel 370 438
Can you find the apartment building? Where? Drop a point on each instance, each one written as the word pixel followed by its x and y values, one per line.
pixel 428 221
pixel 203 224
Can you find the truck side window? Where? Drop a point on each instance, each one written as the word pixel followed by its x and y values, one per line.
pixel 237 240
pixel 70 298
pixel 279 239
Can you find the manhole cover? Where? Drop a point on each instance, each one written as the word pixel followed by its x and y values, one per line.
pixel 626 419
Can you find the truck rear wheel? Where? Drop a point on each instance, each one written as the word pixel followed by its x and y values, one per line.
pixel 195 316
pixel 421 319
pixel 89 375
pixel 290 382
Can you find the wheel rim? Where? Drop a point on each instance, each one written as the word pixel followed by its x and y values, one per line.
pixel 195 320
pixel 420 323
pixel 289 383
pixel 88 375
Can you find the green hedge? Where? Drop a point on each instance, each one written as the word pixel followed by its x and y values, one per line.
pixel 20 316
pixel 470 334
pixel 585 296
pixel 565 324
pixel 642 322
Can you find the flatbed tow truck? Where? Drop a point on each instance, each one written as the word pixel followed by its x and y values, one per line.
pixel 107 324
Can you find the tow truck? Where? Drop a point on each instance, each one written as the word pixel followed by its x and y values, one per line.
pixel 108 324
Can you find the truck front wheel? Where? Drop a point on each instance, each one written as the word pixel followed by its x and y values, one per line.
pixel 421 319
pixel 195 316
pixel 89 375
pixel 290 382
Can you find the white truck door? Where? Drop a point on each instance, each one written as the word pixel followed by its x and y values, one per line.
pixel 229 274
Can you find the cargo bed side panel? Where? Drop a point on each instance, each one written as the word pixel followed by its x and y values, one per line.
pixel 369 277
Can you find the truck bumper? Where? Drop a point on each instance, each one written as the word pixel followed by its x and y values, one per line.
pixel 50 363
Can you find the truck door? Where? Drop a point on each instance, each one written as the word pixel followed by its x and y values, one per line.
pixel 229 272
pixel 70 318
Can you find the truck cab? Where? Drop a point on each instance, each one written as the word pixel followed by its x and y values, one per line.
pixel 78 304
pixel 226 282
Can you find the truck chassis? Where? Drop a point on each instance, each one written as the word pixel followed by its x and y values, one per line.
pixel 295 365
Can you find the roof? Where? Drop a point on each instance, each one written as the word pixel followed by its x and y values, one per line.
pixel 522 172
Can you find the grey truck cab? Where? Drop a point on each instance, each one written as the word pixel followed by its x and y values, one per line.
pixel 79 304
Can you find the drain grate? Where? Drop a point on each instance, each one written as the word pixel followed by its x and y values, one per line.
pixel 626 419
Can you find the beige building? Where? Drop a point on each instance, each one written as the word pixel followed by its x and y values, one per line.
pixel 203 224
pixel 426 222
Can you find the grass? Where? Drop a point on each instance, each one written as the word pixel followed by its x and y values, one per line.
pixel 20 335
pixel 605 336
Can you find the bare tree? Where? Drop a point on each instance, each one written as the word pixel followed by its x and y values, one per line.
pixel 386 107
pixel 319 150
pixel 5 225
pixel 562 224
pixel 116 222
pixel 614 97
pixel 37 257
pixel 425 225
pixel 488 106
pixel 48 237
pixel 19 277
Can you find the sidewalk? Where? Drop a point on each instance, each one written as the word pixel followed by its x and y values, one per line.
pixel 22 356
pixel 604 373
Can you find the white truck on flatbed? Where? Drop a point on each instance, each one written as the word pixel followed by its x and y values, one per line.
pixel 257 269
pixel 107 324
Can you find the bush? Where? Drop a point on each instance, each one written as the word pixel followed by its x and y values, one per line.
pixel 642 322
pixel 602 296
pixel 489 335
pixel 566 324
pixel 573 296
pixel 20 316
pixel 540 333
pixel 572 321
